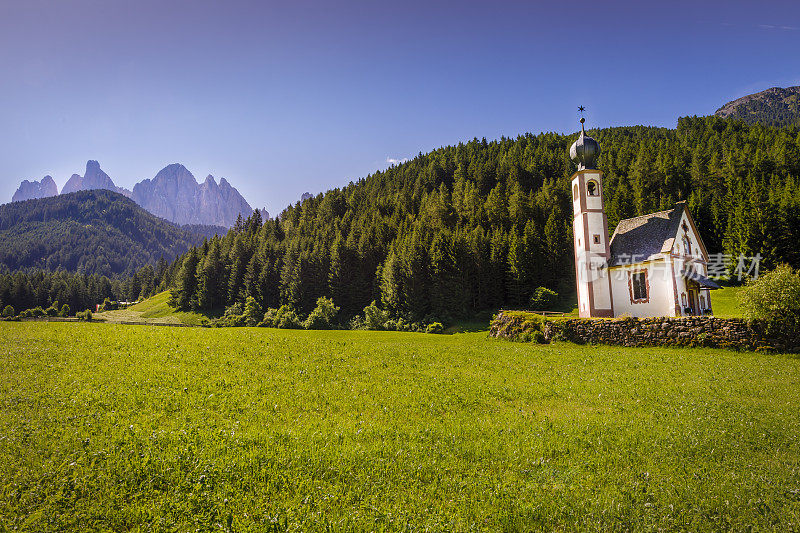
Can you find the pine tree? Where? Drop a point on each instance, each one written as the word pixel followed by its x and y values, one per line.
pixel 210 280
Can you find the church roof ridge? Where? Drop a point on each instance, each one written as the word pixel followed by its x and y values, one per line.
pixel 646 235
pixel 654 213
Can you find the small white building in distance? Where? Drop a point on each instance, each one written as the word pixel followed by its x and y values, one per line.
pixel 654 265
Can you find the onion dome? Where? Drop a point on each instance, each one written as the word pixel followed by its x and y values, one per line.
pixel 585 150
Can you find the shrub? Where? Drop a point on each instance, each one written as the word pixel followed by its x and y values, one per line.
pixel 64 311
pixel 233 317
pixel 84 315
pixel 269 318
pixel 284 317
pixel 538 337
pixel 435 327
pixel 773 295
pixel 8 312
pixel 109 305
pixel 543 299
pixel 375 317
pixel 52 310
pixel 252 312
pixel 323 315
pixel 357 322
pixel 289 319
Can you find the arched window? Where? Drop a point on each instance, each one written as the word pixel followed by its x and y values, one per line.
pixel 687 246
pixel 702 302
pixel 592 188
pixel 575 192
pixel 683 298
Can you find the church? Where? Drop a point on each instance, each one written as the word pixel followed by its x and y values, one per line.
pixel 653 265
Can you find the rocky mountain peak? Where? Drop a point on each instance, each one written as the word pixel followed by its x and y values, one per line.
pixel 174 194
pixel 175 173
pixel 93 178
pixel 210 183
pixel 29 190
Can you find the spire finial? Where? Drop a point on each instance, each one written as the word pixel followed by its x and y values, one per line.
pixel 585 150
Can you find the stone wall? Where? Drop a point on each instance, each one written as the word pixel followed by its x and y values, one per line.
pixel 710 332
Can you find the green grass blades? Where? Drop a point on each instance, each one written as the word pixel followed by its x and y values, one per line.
pixel 110 427
pixel 725 302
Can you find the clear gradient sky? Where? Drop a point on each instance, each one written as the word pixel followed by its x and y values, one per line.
pixel 293 96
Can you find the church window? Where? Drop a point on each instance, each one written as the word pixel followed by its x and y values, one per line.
pixel 597 239
pixel 592 188
pixel 702 302
pixel 683 298
pixel 575 192
pixel 639 287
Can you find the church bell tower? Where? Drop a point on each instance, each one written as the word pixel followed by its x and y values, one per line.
pixel 590 231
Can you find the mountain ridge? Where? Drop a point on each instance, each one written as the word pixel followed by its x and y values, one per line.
pixel 173 194
pixel 776 106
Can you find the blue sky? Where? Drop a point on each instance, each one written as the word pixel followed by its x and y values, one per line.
pixel 286 97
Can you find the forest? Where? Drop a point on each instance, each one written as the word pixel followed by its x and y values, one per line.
pixel 482 224
pixel 92 232
pixel 28 290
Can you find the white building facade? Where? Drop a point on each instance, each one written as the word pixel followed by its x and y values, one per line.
pixel 653 265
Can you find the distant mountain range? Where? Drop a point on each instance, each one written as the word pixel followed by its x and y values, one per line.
pixel 173 194
pixel 92 232
pixel 776 106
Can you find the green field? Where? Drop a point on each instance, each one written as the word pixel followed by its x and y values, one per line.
pixel 725 302
pixel 111 427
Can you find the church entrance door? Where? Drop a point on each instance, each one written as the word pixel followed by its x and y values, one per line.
pixel 694 302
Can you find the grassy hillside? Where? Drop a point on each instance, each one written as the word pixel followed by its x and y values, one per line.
pixel 154 310
pixel 112 427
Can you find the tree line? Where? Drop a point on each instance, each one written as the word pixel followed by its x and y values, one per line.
pixel 29 289
pixel 482 224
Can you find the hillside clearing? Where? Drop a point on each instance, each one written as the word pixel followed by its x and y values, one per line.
pixel 115 427
pixel 154 310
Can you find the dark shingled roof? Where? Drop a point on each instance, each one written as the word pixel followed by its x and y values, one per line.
pixel 638 238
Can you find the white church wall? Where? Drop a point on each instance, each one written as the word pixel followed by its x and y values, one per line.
pixel 660 295
pixel 697 260
pixel 597 231
pixel 602 291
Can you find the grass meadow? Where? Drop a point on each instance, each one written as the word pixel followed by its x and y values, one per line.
pixel 112 427
pixel 725 302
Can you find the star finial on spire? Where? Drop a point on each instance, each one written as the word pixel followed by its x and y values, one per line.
pixel 582 109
